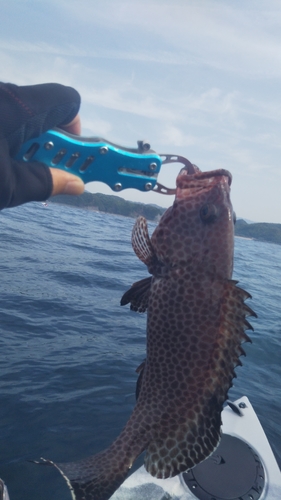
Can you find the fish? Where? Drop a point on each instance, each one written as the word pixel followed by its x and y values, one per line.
pixel 196 323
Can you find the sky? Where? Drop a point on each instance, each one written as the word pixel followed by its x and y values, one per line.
pixel 196 78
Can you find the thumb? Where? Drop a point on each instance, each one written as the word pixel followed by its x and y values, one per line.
pixel 65 183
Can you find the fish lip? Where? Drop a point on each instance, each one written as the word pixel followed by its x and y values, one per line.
pixel 221 172
pixel 198 175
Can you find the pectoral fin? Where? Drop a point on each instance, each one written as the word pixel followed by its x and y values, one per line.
pixel 137 295
pixel 141 242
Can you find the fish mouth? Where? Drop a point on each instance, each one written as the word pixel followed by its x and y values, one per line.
pixel 215 173
pixel 187 178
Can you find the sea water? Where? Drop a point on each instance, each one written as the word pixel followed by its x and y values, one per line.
pixel 69 351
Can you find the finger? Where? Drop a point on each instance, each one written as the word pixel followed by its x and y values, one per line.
pixel 74 127
pixel 65 183
pixel 27 111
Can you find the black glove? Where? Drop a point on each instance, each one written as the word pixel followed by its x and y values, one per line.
pixel 25 113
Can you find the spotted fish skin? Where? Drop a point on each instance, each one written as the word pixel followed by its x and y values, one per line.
pixel 196 322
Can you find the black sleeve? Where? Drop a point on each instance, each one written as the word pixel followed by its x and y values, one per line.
pixel 21 182
pixel 26 112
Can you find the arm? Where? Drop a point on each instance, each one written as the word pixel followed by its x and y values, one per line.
pixel 26 112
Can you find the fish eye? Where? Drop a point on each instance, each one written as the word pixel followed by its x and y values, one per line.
pixel 208 213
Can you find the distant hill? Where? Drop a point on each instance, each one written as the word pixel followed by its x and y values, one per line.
pixel 261 231
pixel 110 204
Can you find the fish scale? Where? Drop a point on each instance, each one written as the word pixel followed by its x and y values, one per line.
pixel 196 322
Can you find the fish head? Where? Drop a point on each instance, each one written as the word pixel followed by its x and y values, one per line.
pixel 198 229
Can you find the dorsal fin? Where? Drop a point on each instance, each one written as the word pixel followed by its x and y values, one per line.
pixel 141 241
pixel 233 325
pixel 137 295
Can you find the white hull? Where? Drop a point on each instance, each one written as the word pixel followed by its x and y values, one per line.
pixel 247 428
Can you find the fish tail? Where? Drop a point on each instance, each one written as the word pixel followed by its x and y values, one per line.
pixel 99 476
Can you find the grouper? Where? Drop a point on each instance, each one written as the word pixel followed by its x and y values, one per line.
pixel 196 323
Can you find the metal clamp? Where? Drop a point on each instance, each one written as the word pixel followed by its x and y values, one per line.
pixel 159 188
pixel 95 159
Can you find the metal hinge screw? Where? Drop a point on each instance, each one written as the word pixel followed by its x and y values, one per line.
pixel 103 150
pixel 242 405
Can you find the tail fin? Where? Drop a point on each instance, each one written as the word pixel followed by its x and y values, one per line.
pixel 96 477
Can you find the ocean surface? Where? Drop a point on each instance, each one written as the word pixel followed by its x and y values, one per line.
pixel 68 351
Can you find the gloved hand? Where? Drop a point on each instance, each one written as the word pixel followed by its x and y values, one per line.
pixel 25 113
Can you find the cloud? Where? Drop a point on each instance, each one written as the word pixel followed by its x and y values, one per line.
pixel 222 35
pixel 182 117
pixel 41 47
pixel 198 78
pixel 172 135
pixel 96 127
pixel 138 104
pixel 268 108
